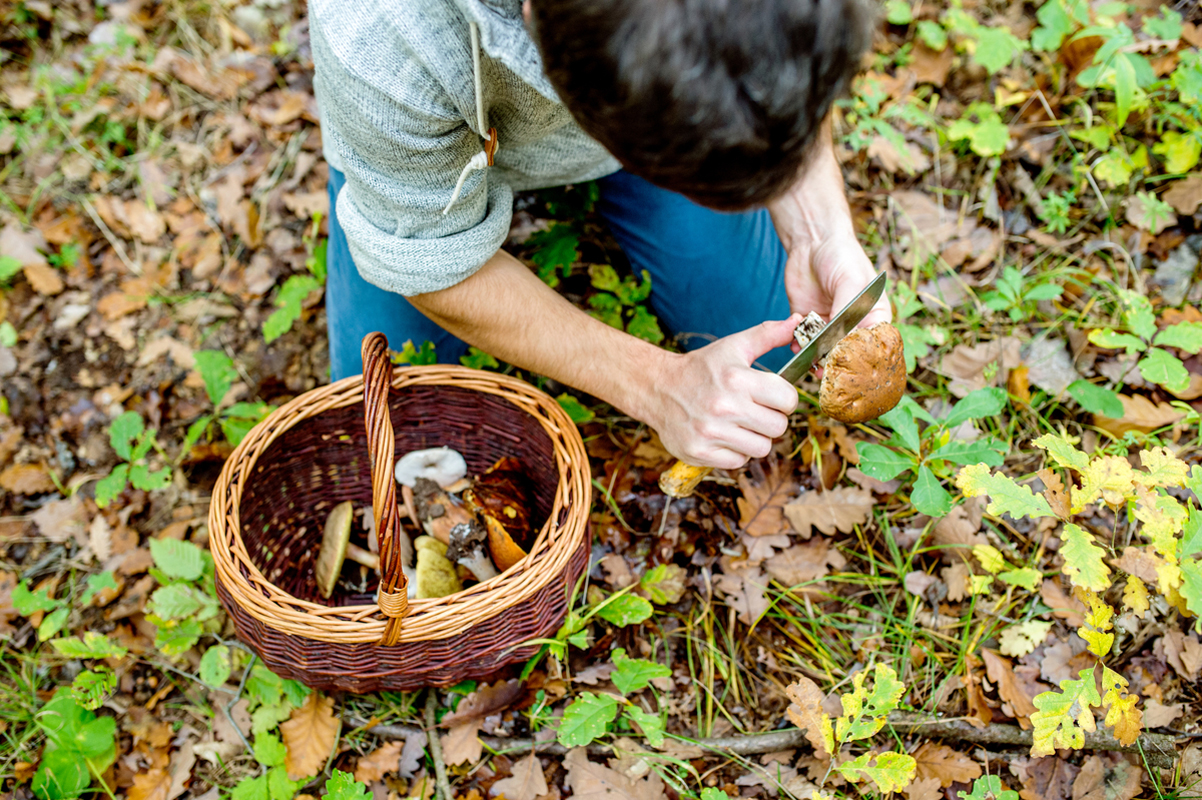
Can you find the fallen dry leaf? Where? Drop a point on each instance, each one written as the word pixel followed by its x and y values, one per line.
pixel 100 538
pixel 1139 216
pixel 945 765
pixel 838 510
pixel 462 743
pixel 1012 692
pixel 1063 605
pixel 44 279
pixel 589 781
pixel 484 701
pixel 1108 777
pixel 412 754
pixel 804 563
pixel 526 781
pixel 151 785
pixel 309 736
pixel 743 586
pixel 26 479
pixel 930 66
pixel 806 711
pixel 378 763
pixel 956 534
pixel 1046 778
pixel 966 364
pixel 145 223
pixel 1139 414
pixel 924 789
pixel 764 496
pixel 1157 715
pixel 761 548
pixel 1185 195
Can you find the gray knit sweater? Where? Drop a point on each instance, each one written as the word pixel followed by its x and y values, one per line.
pixel 395 85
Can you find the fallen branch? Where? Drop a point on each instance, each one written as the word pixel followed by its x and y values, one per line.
pixel 440 766
pixel 1157 748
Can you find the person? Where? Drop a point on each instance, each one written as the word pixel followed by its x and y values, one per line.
pixel 706 125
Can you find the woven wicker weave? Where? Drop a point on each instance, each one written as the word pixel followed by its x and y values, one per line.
pixel 271 501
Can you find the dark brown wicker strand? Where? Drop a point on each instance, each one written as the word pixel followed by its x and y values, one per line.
pixel 312 453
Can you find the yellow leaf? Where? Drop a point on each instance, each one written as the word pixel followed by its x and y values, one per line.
pixel 1135 595
pixel 1099 643
pixel 1064 717
pixel 1060 447
pixel 1121 714
pixel 1107 477
pixel 310 735
pixel 1168 578
pixel 990 557
pixel 1163 468
pixel 1098 620
pixel 1163 518
pixel 1083 562
pixel 980 584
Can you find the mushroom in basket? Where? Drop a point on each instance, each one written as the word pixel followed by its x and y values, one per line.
pixel 336 547
pixel 501 496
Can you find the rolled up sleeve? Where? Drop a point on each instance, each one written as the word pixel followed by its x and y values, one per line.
pixel 401 142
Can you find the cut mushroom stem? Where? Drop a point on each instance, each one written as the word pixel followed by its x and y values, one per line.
pixel 365 557
pixel 469 548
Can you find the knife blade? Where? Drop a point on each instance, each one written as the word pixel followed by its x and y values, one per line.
pixel 681 479
pixel 840 325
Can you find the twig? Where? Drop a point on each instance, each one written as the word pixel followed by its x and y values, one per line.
pixel 1159 749
pixel 112 239
pixel 440 766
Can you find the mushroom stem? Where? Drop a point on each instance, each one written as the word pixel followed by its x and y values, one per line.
pixel 360 556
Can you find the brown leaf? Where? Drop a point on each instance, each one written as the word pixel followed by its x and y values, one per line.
pixel 219 84
pixel 526 781
pixel 806 711
pixel 589 781
pixel 100 538
pixel 25 246
pixel 180 768
pixel 966 364
pixel 1063 605
pixel 306 204
pixel 930 66
pixel 280 108
pixel 760 548
pixel 1061 662
pixel 26 479
pixel 378 763
pixel 1157 715
pixel 145 223
pixel 764 495
pixel 461 744
pixel 413 753
pixel 1139 414
pixel 1047 778
pixel 60 520
pixel 942 763
pixel 1107 778
pixel 838 510
pixel 309 736
pixel 1055 492
pixel 1001 673
pixel 44 279
pixel 484 701
pixel 958 532
pixel 151 785
pixel 743 586
pixel 957 579
pixel 924 789
pixel 804 563
pixel 1185 195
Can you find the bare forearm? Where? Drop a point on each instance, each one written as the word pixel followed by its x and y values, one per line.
pixel 507 311
pixel 815 208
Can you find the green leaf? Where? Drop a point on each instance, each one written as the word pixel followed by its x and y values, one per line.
pixel 295 692
pixel 1125 85
pixel 987 137
pixel 125 428
pixel 478 359
pixel 269 750
pixel 1063 717
pixel 177 559
pixel 142 478
pixel 901 421
pixel 1005 496
pixel 1083 562
pixel 882 463
pixel 264 686
pixel 52 623
pixel 235 430
pixel 1096 399
pixel 1185 336
pixel 1191 588
pixel 409 354
pixel 28 603
pixel 217 370
pixel 652 725
pixel 251 789
pixel 90 689
pixel 1104 337
pixel 577 411
pixel 865 711
pixel 557 249
pixel 177 601
pixel 929 496
pixel 891 771
pixel 1180 151
pixel 931 34
pixel 645 326
pixel 586 718
pixel 289 303
pixel 898 12
pixel 989 787
pixel 1054 25
pixel 92 645
pixel 1062 451
pixel 635 674
pixel 1161 367
pixel 996 48
pixel 1191 534
pixel 215 666
pixel 279 787
pixel 9 267
pixel 1167 26
pixel 96 584
pixel 1026 577
pixel 8 334
pixel 1140 317
pixel 62 775
pixel 176 638
pixel 710 793
pixel 980 404
pixel 916 343
pixel 664 583
pixel 343 786
pixel 626 609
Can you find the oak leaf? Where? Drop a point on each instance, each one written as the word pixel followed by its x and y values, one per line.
pixel 945 765
pixel 764 496
pixel 838 510
pixel 924 788
pixel 309 736
pixel 804 563
pixel 1139 414
pixel 589 781
pixel 1001 673
pixel 526 781
pixel 44 279
pixel 26 479
pixel 462 744
pixel 744 586
pixel 484 701
pixel 1107 778
pixel 150 785
pixel 806 713
pixel 378 763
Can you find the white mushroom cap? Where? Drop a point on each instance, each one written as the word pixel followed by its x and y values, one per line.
pixel 442 465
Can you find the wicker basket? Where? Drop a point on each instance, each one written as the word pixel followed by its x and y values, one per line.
pixel 340 442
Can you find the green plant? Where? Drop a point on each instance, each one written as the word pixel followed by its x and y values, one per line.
pixel 916 339
pixel 185 606
pixel 90 688
pixel 218 372
pixel 298 287
pixel 1172 530
pixel 1017 296
pixel 79 747
pixel 986 136
pixel 992 48
pixel 1055 209
pixel 1140 336
pixel 557 249
pixel 54 610
pixel 618 302
pixel 929 453
pixel 132 442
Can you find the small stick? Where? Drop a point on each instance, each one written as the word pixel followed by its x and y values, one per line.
pixel 440 766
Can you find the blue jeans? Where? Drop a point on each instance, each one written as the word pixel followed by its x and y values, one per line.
pixel 712 274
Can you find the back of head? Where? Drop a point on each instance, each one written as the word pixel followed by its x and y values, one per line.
pixel 719 100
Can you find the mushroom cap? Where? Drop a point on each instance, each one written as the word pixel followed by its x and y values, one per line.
pixel 442 465
pixel 864 375
pixel 436 575
pixel 334 541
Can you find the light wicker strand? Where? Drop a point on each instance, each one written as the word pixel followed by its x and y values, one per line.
pixel 381 449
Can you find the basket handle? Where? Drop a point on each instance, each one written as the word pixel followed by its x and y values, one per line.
pixel 381 448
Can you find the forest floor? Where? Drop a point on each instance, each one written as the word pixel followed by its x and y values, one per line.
pixel 1025 173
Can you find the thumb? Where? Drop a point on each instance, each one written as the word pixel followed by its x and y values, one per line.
pixel 755 342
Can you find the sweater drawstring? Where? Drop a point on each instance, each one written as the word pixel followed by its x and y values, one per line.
pixel 486 156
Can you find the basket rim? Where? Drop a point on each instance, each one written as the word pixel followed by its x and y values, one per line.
pixel 430 618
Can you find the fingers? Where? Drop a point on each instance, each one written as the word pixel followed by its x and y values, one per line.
pixel 851 285
pixel 755 342
pixel 774 392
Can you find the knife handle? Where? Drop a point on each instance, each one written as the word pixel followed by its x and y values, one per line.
pixel 681 479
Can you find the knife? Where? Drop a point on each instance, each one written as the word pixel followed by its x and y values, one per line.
pixel 681 479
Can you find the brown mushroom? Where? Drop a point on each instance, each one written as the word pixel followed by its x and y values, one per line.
pixel 469 548
pixel 336 547
pixel 437 511
pixel 864 375
pixel 503 494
